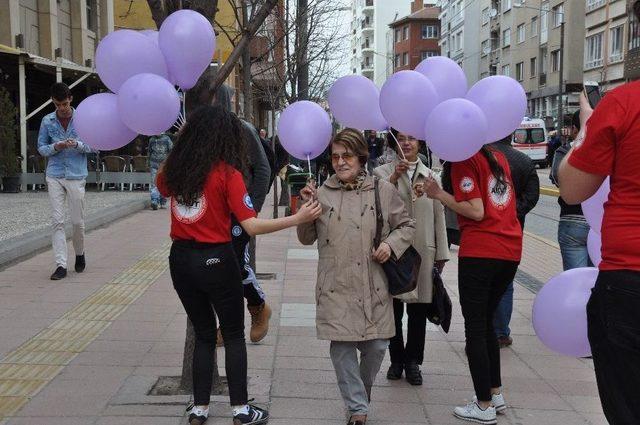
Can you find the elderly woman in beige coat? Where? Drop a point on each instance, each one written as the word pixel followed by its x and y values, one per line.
pixel 354 309
pixel 430 241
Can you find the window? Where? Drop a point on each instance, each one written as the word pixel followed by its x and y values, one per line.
pixel 534 26
pixel 616 37
pixel 593 52
pixel 521 33
pixel 405 33
pixel 506 37
pixel 429 31
pixel 396 61
pixel 506 5
pixel 520 71
pixel 398 35
pixel 555 61
pixel 544 23
pixel 595 4
pixel 405 59
pixel 558 15
pixel 634 32
pixel 485 16
pixel 427 54
pixel 458 43
pixel 543 61
pixel 92 15
pixel 485 48
pixel 534 67
pixel 506 70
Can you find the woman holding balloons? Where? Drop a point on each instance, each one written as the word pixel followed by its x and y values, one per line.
pixel 490 250
pixel 431 242
pixel 204 176
pixel 354 309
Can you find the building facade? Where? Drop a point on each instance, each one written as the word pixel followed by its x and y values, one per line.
pixel 371 37
pixel 606 26
pixel 422 31
pixel 632 58
pixel 523 40
pixel 459 39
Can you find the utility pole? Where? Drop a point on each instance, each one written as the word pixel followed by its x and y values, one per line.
pixel 303 44
pixel 561 80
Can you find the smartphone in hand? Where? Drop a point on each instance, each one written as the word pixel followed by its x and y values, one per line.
pixel 592 91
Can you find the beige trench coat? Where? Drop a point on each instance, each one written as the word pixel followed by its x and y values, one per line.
pixel 352 297
pixel 431 232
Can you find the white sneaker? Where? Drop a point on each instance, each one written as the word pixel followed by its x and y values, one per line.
pixel 473 413
pixel 497 400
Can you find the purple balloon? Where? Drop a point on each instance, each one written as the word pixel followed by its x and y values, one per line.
pixel 125 53
pixel 304 129
pixel 148 104
pixel 560 312
pixel 406 100
pixel 446 76
pixel 504 103
pixel 354 102
pixel 98 123
pixel 593 208
pixel 456 130
pixel 188 42
pixel 594 246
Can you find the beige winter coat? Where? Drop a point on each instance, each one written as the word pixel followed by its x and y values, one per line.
pixel 430 238
pixel 352 297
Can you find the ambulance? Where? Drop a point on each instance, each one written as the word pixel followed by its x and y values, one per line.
pixel 531 138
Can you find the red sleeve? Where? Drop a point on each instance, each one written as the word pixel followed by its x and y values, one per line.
pixel 465 181
pixel 161 184
pixel 596 154
pixel 238 199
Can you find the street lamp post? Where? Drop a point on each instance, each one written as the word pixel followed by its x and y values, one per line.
pixel 561 64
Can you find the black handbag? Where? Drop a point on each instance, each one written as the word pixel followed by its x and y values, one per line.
pixel 402 273
pixel 439 310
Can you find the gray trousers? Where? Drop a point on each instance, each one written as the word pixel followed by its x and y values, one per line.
pixel 355 379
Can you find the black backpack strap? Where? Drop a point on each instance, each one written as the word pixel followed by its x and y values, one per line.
pixel 379 220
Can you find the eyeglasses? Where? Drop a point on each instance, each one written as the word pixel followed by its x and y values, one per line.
pixel 347 156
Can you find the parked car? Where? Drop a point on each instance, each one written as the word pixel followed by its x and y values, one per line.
pixel 531 138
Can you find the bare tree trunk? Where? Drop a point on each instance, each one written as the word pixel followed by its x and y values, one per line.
pixel 160 9
pixel 303 45
pixel 246 72
pixel 186 380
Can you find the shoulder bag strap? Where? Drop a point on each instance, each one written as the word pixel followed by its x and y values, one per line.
pixel 378 237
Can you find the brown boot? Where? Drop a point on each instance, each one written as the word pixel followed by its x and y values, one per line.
pixel 260 316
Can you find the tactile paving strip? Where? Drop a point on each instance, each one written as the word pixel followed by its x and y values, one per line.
pixel 28 368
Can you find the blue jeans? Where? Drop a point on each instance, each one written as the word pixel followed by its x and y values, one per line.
pixel 502 316
pixel 156 198
pixel 572 238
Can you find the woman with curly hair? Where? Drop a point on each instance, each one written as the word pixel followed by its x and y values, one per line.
pixel 204 177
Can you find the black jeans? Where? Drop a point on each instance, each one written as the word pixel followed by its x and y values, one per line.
pixel 481 283
pixel 207 277
pixel 413 352
pixel 613 316
pixel 240 240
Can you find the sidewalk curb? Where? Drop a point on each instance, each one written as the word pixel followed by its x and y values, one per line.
pixel 21 247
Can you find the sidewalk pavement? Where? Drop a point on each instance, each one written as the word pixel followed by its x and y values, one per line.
pixel 87 350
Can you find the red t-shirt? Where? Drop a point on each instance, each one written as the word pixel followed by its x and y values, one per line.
pixel 209 219
pixel 498 235
pixel 612 148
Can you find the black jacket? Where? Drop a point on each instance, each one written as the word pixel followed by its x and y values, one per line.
pixel 525 178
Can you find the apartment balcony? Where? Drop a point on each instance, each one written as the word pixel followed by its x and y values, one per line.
pixel 494 24
pixel 368 7
pixel 494 57
pixel 366 67
pixel 367 48
pixel 366 27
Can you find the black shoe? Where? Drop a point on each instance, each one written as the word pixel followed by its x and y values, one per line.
pixel 255 416
pixel 80 263
pixel 60 273
pixel 395 371
pixel 355 423
pixel 154 206
pixel 197 416
pixel 414 376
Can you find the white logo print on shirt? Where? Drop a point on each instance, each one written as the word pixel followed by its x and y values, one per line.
pixel 189 214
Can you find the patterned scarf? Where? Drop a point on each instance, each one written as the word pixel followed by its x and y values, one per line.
pixel 356 185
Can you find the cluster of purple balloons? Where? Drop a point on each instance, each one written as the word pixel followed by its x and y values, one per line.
pixel 560 308
pixel 142 69
pixel 433 103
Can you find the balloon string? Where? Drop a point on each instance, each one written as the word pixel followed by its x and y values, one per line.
pixel 184 105
pixel 309 164
pixel 398 143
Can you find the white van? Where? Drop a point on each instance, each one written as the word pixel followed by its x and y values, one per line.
pixel 531 138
